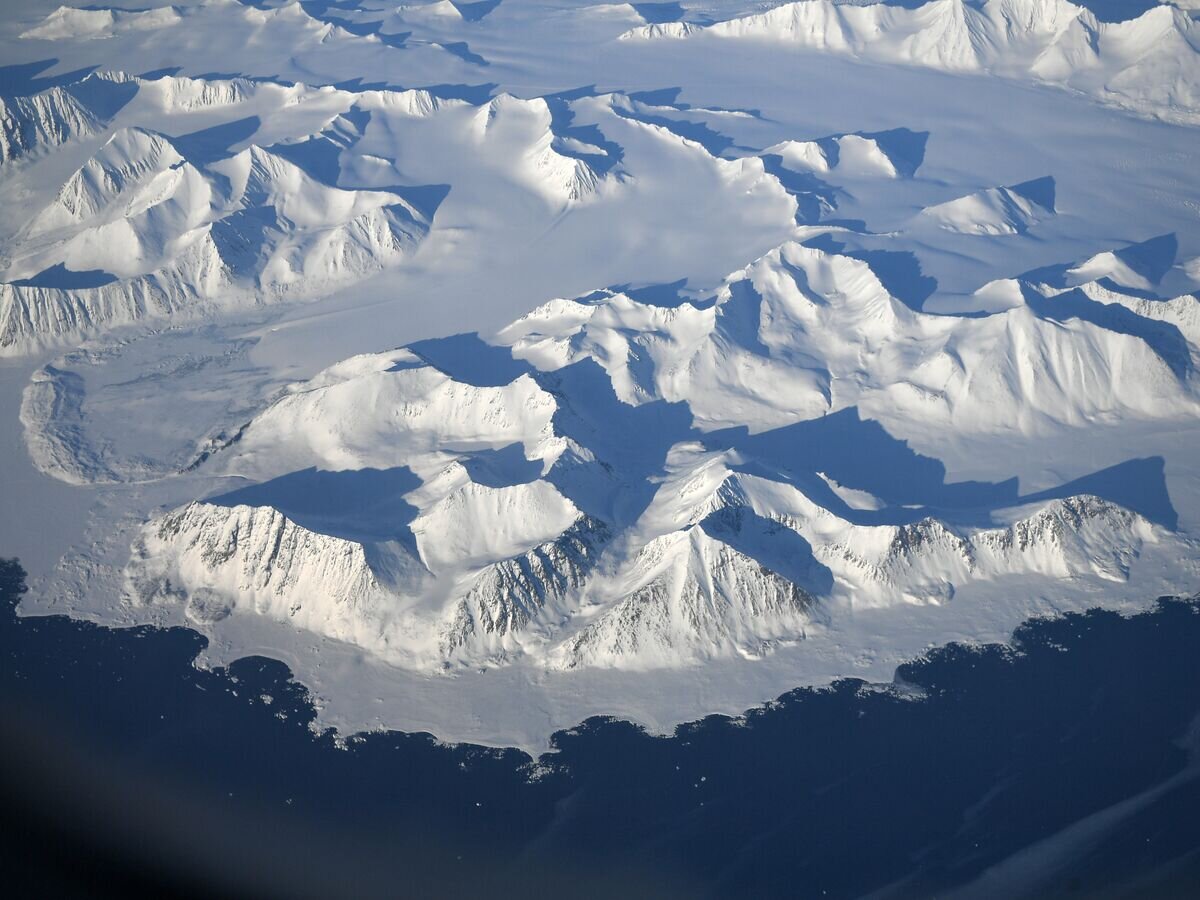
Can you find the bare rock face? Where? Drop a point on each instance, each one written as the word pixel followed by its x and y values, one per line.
pixel 542 583
pixel 42 121
pixel 725 557
pixel 713 601
pixel 832 347
pixel 141 233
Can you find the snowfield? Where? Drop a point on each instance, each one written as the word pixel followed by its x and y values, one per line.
pixel 499 367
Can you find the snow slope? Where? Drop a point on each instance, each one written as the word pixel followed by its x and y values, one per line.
pixel 635 376
pixel 164 236
pixel 730 557
pixel 801 333
pixel 41 121
pixel 882 155
pixel 156 226
pixel 1151 63
pixel 993 211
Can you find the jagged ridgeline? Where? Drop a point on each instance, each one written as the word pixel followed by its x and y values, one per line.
pixel 1147 63
pixel 158 225
pixel 608 506
pixel 826 333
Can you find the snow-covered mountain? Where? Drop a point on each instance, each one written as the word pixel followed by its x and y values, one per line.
pixel 43 120
pixel 731 556
pixel 332 420
pixel 894 154
pixel 1150 63
pixel 508 119
pixel 782 351
pixel 156 225
pixel 68 22
pixel 583 599
pixel 801 333
pixel 139 232
pixel 995 211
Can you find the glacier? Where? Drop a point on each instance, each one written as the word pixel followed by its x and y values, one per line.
pixel 498 370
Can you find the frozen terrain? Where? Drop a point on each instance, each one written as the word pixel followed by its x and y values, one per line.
pixel 500 364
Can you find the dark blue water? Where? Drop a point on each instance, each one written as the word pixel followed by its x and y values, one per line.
pixel 128 769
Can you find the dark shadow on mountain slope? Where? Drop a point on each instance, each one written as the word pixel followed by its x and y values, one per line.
pixel 1139 485
pixel 658 13
pixel 348 127
pixel 814 197
pixel 211 144
pixel 214 75
pixel 321 12
pixel 771 544
pixel 318 157
pixel 22 79
pixel 668 96
pixel 242 237
pixel 562 119
pixel 313 7
pixel 501 468
pixel 103 98
pixel 1164 338
pixel 475 94
pixel 468 358
pixel 59 277
pixel 463 52
pixel 630 442
pixel 1151 259
pixel 698 132
pixel 903 146
pixel 424 198
pixel 667 296
pixel 899 271
pixel 164 72
pixel 1039 190
pixel 860 454
pixel 356 505
pixel 358 85
pixel 1118 10
pixel 741 316
pixel 474 12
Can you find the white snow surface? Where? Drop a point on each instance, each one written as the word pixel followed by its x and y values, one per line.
pixel 495 372
pixel 1149 63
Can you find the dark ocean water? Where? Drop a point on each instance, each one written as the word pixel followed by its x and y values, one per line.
pixel 1060 768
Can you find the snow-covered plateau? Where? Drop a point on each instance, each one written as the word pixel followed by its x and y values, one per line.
pixel 496 365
